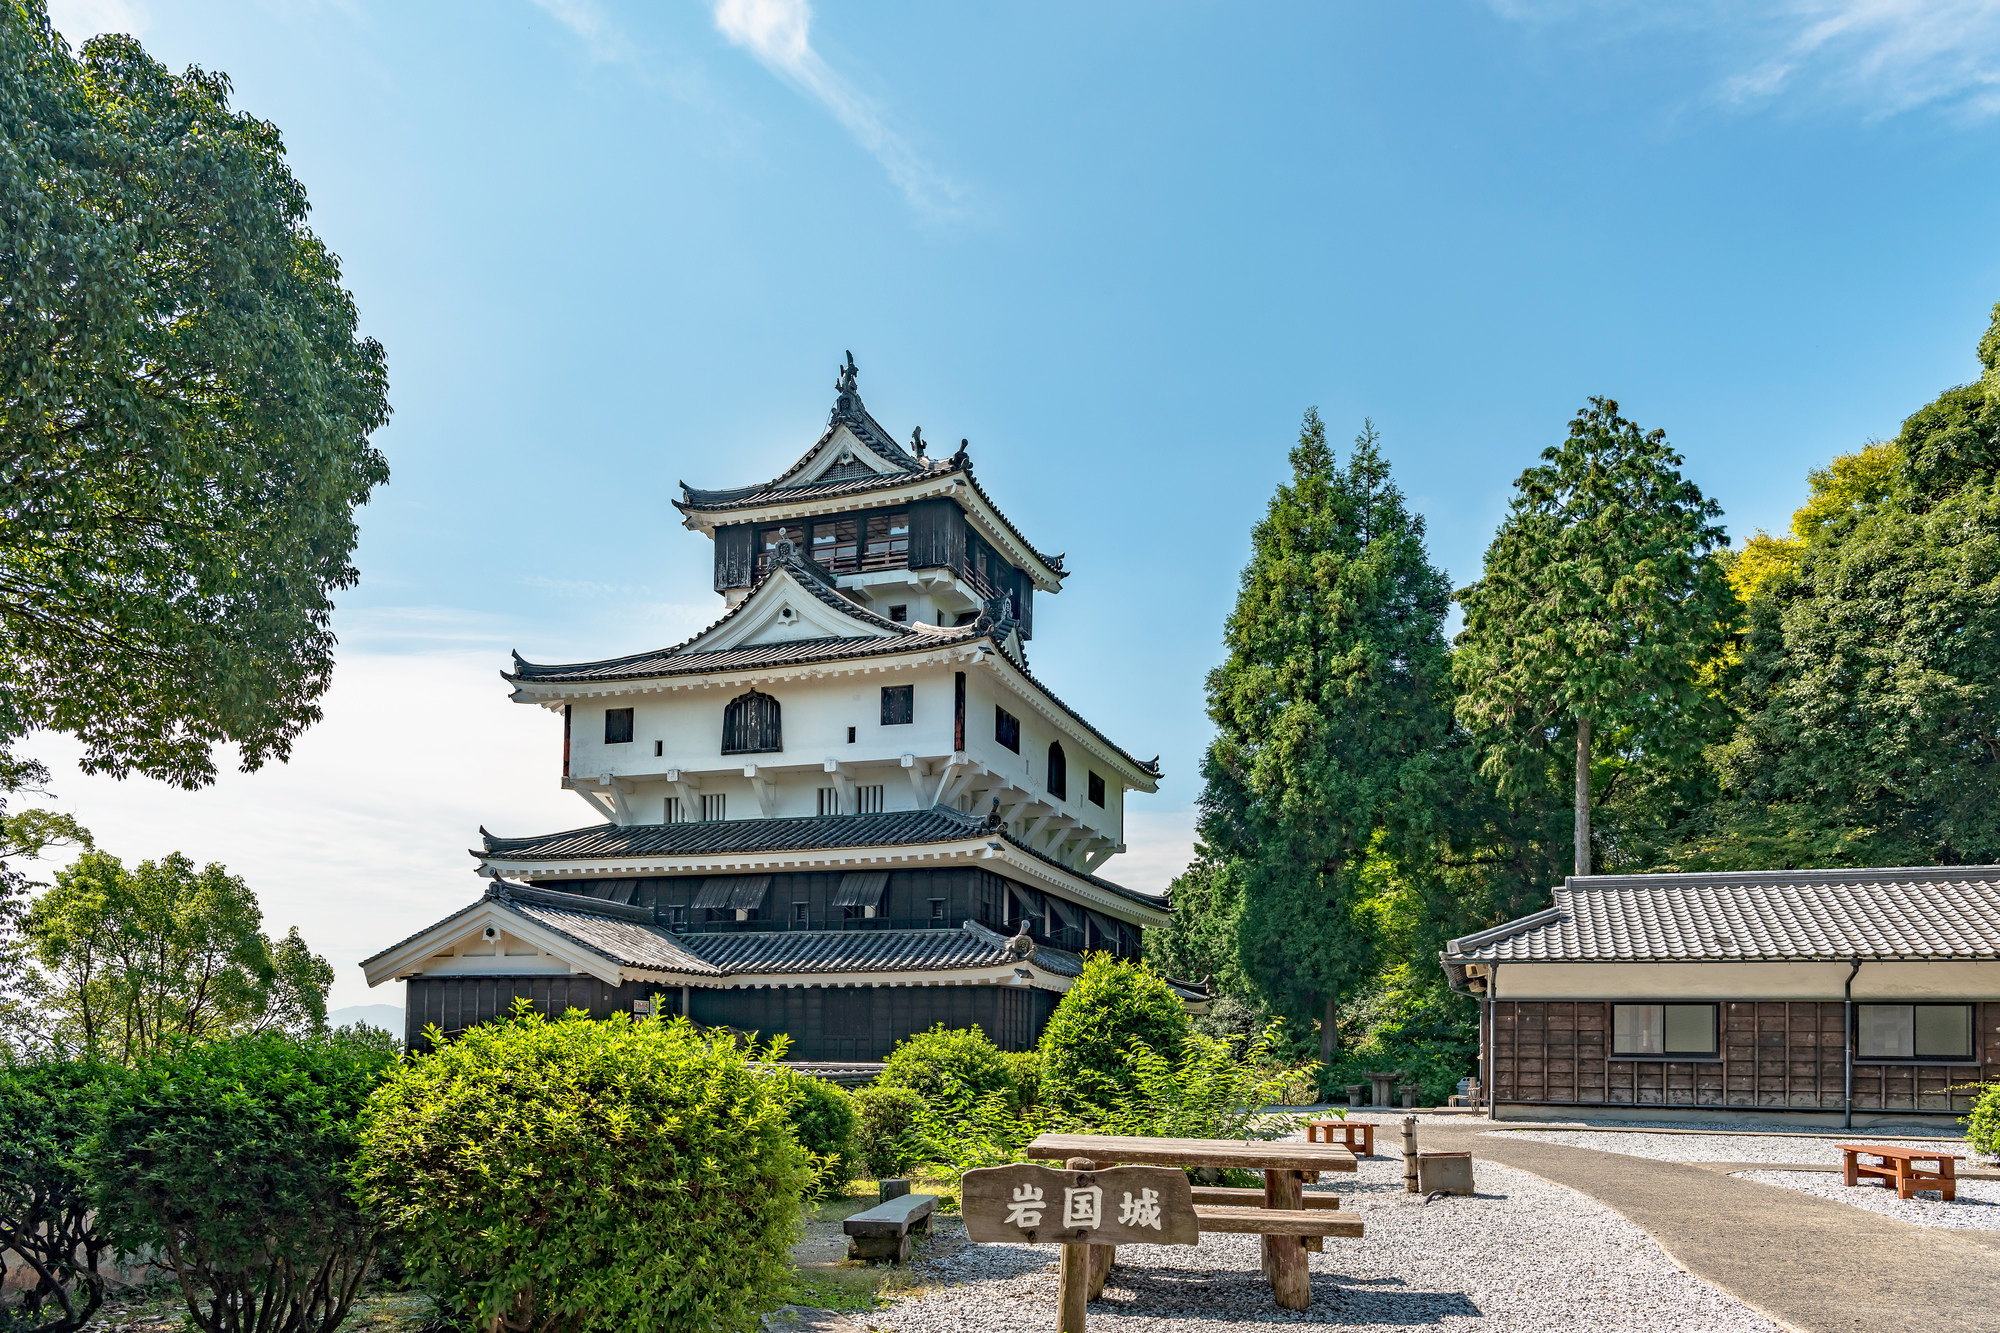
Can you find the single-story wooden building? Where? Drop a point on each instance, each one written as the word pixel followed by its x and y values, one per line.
pixel 1828 996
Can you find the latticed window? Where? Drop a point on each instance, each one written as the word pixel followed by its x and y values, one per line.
pixel 750 725
pixel 1058 772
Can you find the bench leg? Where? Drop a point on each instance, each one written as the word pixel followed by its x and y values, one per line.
pixel 1848 1173
pixel 896 1249
pixel 1905 1186
pixel 1285 1256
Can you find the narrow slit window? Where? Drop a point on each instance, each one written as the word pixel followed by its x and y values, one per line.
pixel 1058 782
pixel 1096 789
pixel 715 807
pixel 829 800
pixel 674 814
pixel 1007 729
pixel 869 798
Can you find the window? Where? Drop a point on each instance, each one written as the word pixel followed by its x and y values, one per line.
pixel 870 799
pixel 1913 1032
pixel 1058 772
pixel 899 705
pixel 677 916
pixel 829 800
pixel 850 735
pixel 887 544
pixel 659 748
pixel 714 807
pixel 751 725
pixel 900 614
pixel 801 914
pixel 675 815
pixel 1096 789
pixel 1663 1029
pixel 937 909
pixel 1007 729
pixel 617 726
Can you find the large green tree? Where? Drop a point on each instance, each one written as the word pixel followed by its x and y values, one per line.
pixel 1602 612
pixel 132 959
pixel 1334 691
pixel 1870 685
pixel 185 407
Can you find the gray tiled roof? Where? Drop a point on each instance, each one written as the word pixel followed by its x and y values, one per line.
pixel 799 833
pixel 624 942
pixel 807 951
pixel 1903 913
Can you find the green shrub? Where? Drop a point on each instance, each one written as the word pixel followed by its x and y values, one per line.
pixel 823 1120
pixel 885 1135
pixel 232 1162
pixel 46 1213
pixel 1204 1090
pixel 927 1062
pixel 1105 1009
pixel 1024 1071
pixel 589 1176
pixel 1982 1127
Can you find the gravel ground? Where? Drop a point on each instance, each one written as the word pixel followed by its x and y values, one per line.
pixel 1722 1147
pixel 1976 1208
pixel 1523 1255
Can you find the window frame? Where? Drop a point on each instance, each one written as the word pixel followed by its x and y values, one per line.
pixel 1970 1009
pixel 1665 1053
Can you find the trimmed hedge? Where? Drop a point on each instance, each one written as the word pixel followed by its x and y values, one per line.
pixel 589 1176
pixel 885 1135
pixel 923 1062
pixel 1085 1045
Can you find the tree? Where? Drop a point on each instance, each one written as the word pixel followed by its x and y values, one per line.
pixel 1333 694
pixel 24 834
pixel 1600 612
pixel 136 958
pixel 185 408
pixel 1870 686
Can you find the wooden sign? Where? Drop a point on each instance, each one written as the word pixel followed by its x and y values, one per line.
pixel 1122 1205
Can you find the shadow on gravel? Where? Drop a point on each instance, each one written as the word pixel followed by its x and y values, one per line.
pixel 1245 1298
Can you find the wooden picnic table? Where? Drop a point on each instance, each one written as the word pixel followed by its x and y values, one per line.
pixel 1284 1222
pixel 1897 1169
pixel 1358 1135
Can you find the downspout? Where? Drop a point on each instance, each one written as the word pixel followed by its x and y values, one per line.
pixel 1847 1032
pixel 1492 1043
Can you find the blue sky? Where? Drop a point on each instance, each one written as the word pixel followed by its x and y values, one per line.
pixel 1120 247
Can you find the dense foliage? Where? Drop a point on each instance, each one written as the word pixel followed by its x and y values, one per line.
pixel 823 1121
pixel 589 1176
pixel 48 1218
pixel 1982 1127
pixel 1335 687
pixel 885 1130
pixel 231 1161
pixel 129 960
pixel 1108 1007
pixel 927 1062
pixel 185 408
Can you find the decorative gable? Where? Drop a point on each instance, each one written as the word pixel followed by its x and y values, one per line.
pixel 788 606
pixel 840 456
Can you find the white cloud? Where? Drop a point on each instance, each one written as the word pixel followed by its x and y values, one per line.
pixel 1885 56
pixel 778 33
pixel 1158 845
pixel 81 20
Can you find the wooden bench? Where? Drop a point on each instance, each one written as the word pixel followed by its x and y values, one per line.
pixel 1276 1221
pixel 1254 1198
pixel 1359 1135
pixel 883 1232
pixel 1897 1169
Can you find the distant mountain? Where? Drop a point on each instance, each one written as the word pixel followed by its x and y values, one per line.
pixel 388 1017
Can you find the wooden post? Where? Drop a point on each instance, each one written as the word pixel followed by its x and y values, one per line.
pixel 1073 1292
pixel 1410 1153
pixel 1285 1256
pixel 1102 1257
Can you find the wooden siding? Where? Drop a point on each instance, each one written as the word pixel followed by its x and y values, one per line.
pixel 735 556
pixel 937 535
pixel 457 1003
pixel 1774 1054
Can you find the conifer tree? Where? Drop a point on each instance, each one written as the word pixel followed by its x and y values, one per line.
pixel 1600 611
pixel 1336 683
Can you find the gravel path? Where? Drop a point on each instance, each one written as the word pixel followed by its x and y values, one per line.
pixel 1522 1256
pixel 1719 1147
pixel 1977 1207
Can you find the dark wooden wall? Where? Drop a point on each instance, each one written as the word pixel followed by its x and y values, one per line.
pixel 735 556
pixel 1775 1054
pixel 825 1023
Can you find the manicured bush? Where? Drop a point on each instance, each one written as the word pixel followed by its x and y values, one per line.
pixel 231 1161
pixel 1024 1071
pixel 1982 1127
pixel 927 1063
pixel 822 1118
pixel 885 1135
pixel 589 1176
pixel 1085 1045
pixel 46 1213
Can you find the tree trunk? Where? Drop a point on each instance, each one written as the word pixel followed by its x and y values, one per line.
pixel 1329 1034
pixel 1583 796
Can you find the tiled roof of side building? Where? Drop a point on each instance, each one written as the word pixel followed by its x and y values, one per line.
pixel 898 828
pixel 802 951
pixel 1928 912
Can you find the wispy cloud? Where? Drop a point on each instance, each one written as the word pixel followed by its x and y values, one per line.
pixel 1884 56
pixel 778 33
pixel 587 19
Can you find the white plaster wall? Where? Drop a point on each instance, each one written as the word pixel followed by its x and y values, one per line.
pixel 1746 981
pixel 1029 768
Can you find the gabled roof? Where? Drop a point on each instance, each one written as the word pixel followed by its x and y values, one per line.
pixel 798 833
pixel 1914 913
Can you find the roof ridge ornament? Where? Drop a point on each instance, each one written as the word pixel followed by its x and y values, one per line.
pixel 847 385
pixel 917 444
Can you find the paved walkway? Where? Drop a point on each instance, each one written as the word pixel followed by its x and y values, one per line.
pixel 1810 1264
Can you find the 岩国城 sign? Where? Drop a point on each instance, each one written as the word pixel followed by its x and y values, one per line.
pixel 1122 1205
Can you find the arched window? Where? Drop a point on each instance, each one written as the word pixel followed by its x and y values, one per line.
pixel 750 725
pixel 1058 771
